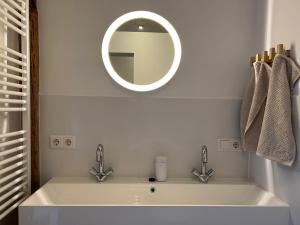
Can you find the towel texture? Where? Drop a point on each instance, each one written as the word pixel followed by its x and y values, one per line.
pixel 276 141
pixel 253 106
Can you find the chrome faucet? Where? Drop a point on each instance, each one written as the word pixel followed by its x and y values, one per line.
pixel 100 173
pixel 204 175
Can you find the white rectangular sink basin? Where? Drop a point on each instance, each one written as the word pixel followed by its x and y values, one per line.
pixel 83 201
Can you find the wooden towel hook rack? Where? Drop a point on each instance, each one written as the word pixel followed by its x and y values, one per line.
pixel 268 56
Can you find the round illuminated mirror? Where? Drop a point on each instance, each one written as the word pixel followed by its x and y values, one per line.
pixel 141 51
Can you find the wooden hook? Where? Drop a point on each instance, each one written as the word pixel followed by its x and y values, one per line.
pixel 265 56
pixel 280 49
pixel 272 53
pixel 258 57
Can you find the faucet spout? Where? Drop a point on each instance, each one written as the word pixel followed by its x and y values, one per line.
pixel 203 175
pixel 204 154
pixel 100 173
pixel 100 157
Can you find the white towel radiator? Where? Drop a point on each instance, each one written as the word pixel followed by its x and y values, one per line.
pixel 14 105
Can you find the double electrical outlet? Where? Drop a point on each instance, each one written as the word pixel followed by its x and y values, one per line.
pixel 62 142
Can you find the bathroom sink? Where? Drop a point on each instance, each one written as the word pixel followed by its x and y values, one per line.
pixel 129 201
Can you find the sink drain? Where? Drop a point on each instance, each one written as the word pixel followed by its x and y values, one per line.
pixel 152 189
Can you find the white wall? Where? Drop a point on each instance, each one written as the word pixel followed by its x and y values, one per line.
pixel 282 22
pixel 217 40
pixel 153 53
pixel 198 106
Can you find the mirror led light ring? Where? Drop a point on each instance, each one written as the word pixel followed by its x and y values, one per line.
pixel 137 15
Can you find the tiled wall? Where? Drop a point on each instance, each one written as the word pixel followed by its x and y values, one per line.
pixel 198 106
pixel 134 130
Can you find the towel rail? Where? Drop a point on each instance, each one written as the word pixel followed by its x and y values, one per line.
pixel 11 26
pixel 13 68
pixel 7 109
pixel 11 208
pixel 11 200
pixel 13 183
pixel 15 145
pixel 12 10
pixel 13 19
pixel 16 93
pixel 12 150
pixel 17 6
pixel 12 167
pixel 16 77
pixel 12 175
pixel 12 191
pixel 11 84
pixel 21 63
pixel 12 134
pixel 11 51
pixel 8 143
pixel 13 101
pixel 14 158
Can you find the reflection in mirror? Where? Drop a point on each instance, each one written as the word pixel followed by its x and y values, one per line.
pixel 141 51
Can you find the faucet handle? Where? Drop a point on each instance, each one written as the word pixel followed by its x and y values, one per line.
pixel 93 171
pixel 210 172
pixel 196 172
pixel 108 171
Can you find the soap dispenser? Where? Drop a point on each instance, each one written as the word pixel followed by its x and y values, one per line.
pixel 161 168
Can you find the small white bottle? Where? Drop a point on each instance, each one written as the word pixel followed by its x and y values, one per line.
pixel 161 168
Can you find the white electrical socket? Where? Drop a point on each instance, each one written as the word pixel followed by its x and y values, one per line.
pixel 55 142
pixel 229 144
pixel 62 142
pixel 68 142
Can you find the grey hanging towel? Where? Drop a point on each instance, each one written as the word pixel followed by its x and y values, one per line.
pixel 253 106
pixel 276 141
